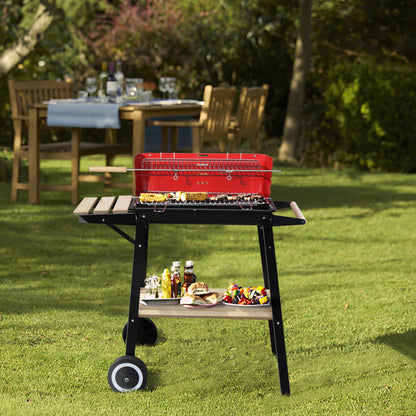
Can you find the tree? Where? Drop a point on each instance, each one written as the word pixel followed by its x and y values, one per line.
pixel 291 130
pixel 46 13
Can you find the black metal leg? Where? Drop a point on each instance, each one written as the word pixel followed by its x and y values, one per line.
pixel 135 325
pixel 271 280
pixel 266 281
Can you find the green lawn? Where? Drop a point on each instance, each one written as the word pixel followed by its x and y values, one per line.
pixel 347 283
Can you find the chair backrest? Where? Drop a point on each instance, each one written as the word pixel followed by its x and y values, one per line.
pixel 24 94
pixel 216 114
pixel 250 111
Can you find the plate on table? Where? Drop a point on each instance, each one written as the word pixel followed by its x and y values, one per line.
pixel 258 305
pixel 160 301
pixel 191 102
pixel 175 102
pixel 165 102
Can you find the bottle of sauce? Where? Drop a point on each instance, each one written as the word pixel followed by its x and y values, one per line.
pixel 173 283
pixel 188 275
pixel 166 284
pixel 176 270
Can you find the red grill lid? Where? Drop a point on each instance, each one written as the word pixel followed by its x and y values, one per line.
pixel 205 172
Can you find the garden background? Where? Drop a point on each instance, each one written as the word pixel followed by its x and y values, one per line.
pixel 347 277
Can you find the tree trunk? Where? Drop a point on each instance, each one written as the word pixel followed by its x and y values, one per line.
pixel 291 130
pixel 27 43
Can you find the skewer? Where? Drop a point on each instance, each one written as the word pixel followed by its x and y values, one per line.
pixel 124 169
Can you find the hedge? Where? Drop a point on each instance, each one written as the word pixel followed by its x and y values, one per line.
pixel 372 111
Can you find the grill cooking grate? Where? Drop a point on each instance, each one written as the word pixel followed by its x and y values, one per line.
pixel 246 202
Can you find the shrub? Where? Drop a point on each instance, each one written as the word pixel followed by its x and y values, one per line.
pixel 371 109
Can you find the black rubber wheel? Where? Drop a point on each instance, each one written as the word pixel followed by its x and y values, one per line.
pixel 127 374
pixel 149 336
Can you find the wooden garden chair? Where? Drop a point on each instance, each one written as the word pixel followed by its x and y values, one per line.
pixel 211 129
pixel 25 94
pixel 247 122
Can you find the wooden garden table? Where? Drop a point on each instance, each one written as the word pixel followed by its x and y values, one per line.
pixel 136 113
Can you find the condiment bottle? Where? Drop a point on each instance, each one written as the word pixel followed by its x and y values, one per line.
pixel 177 266
pixel 166 285
pixel 173 283
pixel 188 275
pixel 176 270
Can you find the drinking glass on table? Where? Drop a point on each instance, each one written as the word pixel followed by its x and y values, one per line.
pixel 171 86
pixel 91 86
pixel 82 95
pixel 164 85
pixel 133 88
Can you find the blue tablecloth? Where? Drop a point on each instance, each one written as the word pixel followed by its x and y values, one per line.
pixel 106 116
pixel 84 115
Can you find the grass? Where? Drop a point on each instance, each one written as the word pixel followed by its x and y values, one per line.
pixel 347 282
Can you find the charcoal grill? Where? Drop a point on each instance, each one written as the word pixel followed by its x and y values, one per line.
pixel 237 188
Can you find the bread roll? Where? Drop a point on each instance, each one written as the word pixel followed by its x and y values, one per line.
pixel 212 298
pixel 192 300
pixel 198 288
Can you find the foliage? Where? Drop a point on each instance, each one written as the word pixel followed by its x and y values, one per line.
pixel 348 305
pixel 234 42
pixel 145 35
pixel 250 44
pixel 359 93
pixel 368 112
pixel 237 42
pixel 378 29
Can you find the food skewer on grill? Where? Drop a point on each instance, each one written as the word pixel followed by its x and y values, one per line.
pixel 185 197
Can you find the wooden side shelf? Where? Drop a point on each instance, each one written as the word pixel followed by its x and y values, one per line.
pixel 215 312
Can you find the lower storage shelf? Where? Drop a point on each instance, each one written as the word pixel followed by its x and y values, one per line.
pixel 220 311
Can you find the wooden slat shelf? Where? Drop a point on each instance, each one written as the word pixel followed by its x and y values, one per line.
pixel 216 312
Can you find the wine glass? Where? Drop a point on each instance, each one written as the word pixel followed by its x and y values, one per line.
pixel 163 85
pixel 171 86
pixel 133 88
pixel 91 85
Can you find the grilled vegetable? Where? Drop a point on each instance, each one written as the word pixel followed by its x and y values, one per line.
pixel 193 196
pixel 152 197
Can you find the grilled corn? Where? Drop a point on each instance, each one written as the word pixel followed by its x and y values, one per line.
pixel 152 197
pixel 193 196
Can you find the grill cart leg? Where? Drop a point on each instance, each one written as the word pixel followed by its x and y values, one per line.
pixel 268 258
pixel 129 373
pixel 266 283
pixel 135 326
